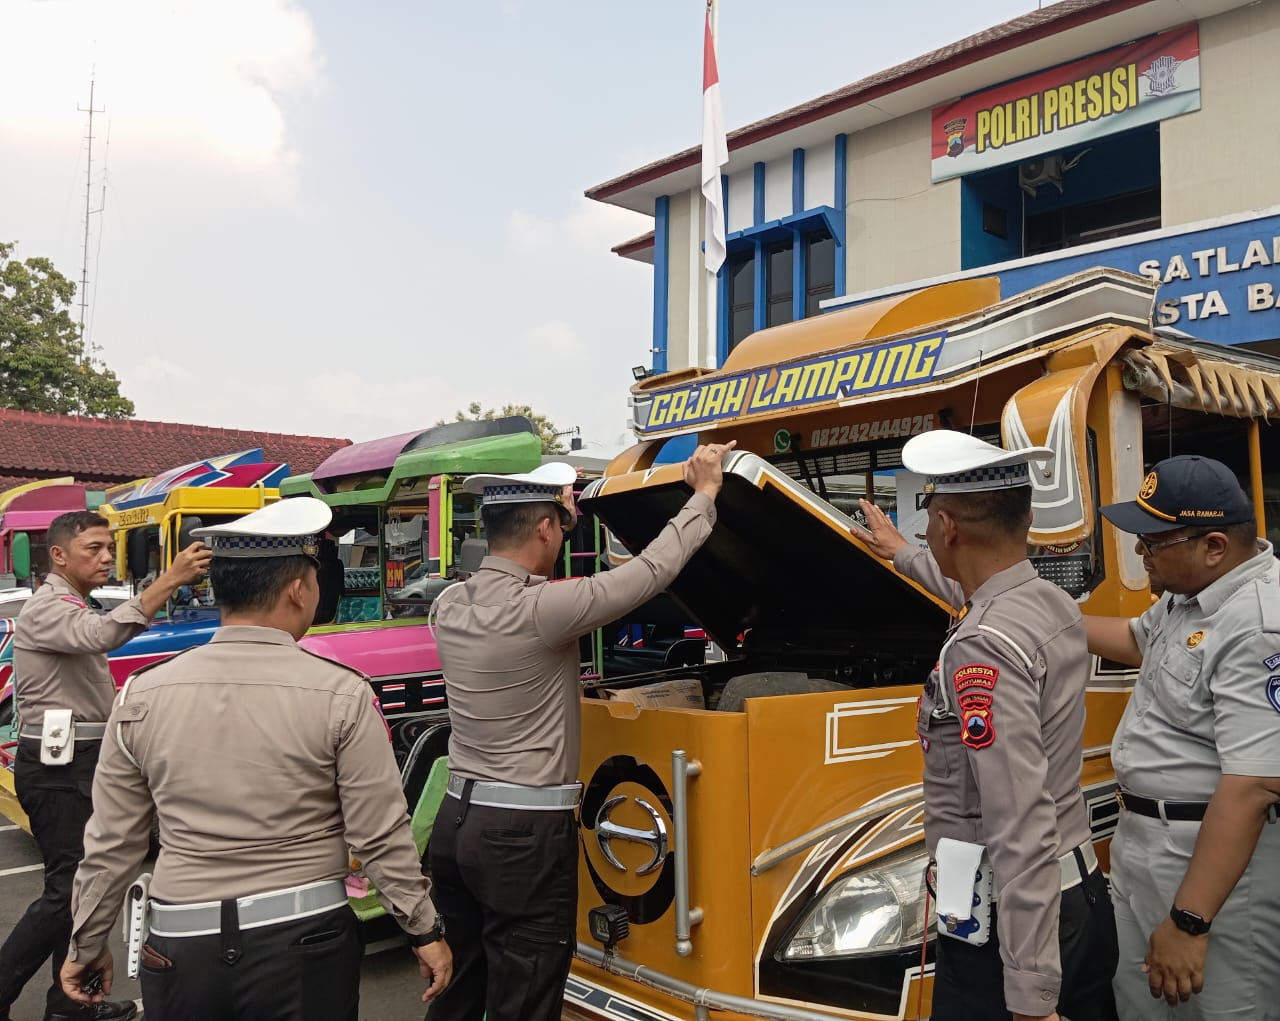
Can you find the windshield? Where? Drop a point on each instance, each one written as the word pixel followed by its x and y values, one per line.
pixel 145 545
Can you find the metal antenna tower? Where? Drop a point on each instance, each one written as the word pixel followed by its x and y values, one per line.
pixel 88 211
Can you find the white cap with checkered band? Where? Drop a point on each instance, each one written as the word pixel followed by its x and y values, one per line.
pixel 955 462
pixel 542 485
pixel 289 528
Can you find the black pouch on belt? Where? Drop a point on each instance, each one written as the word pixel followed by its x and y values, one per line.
pixel 232 946
pixel 465 800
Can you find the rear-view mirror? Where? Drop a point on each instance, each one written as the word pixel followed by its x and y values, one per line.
pixel 21 551
pixel 189 525
pixel 137 553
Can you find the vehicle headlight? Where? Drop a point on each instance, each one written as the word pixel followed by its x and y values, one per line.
pixel 874 911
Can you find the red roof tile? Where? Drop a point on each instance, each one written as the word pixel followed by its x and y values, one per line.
pixel 100 451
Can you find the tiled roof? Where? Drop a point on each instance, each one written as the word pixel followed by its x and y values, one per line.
pixel 101 451
pixel 1006 36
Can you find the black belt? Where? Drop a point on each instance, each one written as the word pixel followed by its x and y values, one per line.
pixel 1178 811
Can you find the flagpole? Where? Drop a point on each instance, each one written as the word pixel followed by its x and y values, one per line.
pixel 713 295
pixel 714 156
pixel 713 304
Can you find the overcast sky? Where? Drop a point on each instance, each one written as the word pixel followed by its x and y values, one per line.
pixel 353 218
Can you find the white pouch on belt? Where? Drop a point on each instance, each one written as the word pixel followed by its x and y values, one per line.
pixel 57 738
pixel 964 891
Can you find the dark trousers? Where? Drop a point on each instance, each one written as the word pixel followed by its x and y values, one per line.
pixel 306 970
pixel 58 801
pixel 506 882
pixel 968 984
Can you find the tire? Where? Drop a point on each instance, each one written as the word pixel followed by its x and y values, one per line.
pixel 747 686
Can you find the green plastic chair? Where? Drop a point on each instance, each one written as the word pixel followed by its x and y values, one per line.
pixel 367 907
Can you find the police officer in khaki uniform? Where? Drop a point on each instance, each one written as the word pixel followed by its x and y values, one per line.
pixel 1001 723
pixel 261 764
pixel 60 669
pixel 504 850
pixel 1197 754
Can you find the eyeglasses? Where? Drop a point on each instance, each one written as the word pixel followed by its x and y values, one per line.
pixel 1151 548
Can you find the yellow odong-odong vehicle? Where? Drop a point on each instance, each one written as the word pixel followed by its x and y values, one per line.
pixel 768 849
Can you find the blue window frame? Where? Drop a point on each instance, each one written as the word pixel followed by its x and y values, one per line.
pixel 776 273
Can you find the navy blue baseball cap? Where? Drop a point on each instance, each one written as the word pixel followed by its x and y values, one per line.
pixel 1182 492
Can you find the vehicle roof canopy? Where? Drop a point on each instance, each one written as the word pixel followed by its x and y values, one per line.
pixel 509 444
pixel 857 364
pixel 36 504
pixel 245 469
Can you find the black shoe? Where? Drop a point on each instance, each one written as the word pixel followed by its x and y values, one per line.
pixel 104 1011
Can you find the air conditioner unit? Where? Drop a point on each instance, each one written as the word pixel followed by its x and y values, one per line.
pixel 1034 173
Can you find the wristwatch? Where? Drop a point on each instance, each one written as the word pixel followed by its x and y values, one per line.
pixel 436 932
pixel 1189 922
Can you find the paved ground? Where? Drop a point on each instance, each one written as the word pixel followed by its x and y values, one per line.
pixel 390 989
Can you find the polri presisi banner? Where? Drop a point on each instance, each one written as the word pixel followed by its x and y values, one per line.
pixel 1068 105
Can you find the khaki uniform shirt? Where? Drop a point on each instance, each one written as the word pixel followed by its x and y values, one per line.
pixel 1001 723
pixel 261 764
pixel 60 648
pixel 508 642
pixel 1207 701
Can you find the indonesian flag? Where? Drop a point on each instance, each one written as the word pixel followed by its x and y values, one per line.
pixel 715 153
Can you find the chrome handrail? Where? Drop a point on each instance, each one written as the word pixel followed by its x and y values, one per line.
pixel 682 769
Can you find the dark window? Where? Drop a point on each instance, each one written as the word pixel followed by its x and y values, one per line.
pixel 820 265
pixel 742 295
pixel 1093 221
pixel 780 283
pixel 995 221
pixel 776 301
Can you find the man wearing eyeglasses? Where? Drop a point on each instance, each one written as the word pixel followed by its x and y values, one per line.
pixel 1197 754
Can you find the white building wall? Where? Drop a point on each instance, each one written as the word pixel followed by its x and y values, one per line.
pixel 742 193
pixel 1225 158
pixel 820 175
pixel 684 230
pixel 899 225
pixel 778 175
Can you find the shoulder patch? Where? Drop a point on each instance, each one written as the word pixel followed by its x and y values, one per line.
pixel 975 685
pixel 78 603
pixel 1273 692
pixel 975 675
pixel 1272 661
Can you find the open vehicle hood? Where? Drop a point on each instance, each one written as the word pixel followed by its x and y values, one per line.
pixel 782 564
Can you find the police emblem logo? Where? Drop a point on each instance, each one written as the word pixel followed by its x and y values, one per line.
pixel 975 684
pixel 1160 75
pixel 1194 639
pixel 1148 487
pixel 955 135
pixel 1273 692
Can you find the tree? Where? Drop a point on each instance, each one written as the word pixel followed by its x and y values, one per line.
pixel 546 428
pixel 42 363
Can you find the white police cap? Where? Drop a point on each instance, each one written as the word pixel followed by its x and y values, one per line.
pixel 542 485
pixel 955 462
pixel 289 528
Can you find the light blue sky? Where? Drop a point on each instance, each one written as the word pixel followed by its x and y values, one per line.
pixel 353 218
